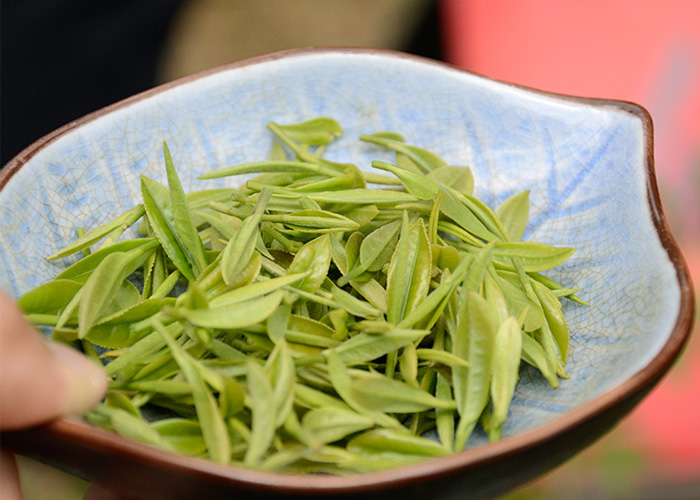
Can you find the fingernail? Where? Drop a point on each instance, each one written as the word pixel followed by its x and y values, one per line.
pixel 86 382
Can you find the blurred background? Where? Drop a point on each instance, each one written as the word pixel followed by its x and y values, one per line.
pixel 62 59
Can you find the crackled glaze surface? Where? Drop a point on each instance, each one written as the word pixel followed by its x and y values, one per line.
pixel 584 165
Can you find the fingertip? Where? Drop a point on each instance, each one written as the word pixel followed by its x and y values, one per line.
pixel 40 380
pixel 10 488
pixel 85 382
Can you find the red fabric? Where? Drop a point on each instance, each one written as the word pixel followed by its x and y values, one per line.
pixel 645 51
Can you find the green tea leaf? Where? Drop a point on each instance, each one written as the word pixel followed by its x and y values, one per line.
pixel 427 313
pixel 314 259
pixel 418 185
pixel 445 419
pixel 100 288
pixel 314 221
pixel 376 249
pixel 408 276
pixel 243 314
pixel 156 200
pixel 342 383
pixel 262 402
pixel 49 298
pixel 182 435
pixel 452 205
pixel 240 248
pixel 280 367
pixel 269 166
pixel 534 255
pixel 408 365
pixel 472 341
pixel 182 216
pixel 506 362
pixel 352 304
pixel 555 318
pixel 131 427
pixel 333 424
pixel 389 443
pixel 365 347
pixel 389 395
pixel 518 301
pixel 458 178
pixel 424 159
pixel 514 213
pixel 117 331
pixel 212 423
pixel 533 354
pixel 314 132
pixel 81 270
pixel 309 397
pixel 123 222
pixel 364 197
pixel 439 356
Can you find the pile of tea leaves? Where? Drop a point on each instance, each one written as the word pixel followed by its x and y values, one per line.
pixel 316 319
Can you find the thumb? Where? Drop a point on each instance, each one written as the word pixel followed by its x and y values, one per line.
pixel 40 380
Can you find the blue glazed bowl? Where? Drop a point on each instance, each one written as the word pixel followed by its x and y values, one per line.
pixel 587 163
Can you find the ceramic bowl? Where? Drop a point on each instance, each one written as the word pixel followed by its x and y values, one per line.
pixel 587 163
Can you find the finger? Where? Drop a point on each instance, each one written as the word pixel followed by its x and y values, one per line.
pixel 9 477
pixel 39 380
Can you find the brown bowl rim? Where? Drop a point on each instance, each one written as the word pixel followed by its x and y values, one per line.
pixel 471 458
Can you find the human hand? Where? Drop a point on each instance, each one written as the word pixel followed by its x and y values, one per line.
pixel 39 381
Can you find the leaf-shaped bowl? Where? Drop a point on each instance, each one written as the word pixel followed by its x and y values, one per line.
pixel 587 163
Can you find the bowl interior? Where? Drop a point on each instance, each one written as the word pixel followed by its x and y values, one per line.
pixel 585 164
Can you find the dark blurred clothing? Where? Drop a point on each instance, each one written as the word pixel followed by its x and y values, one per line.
pixel 62 59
